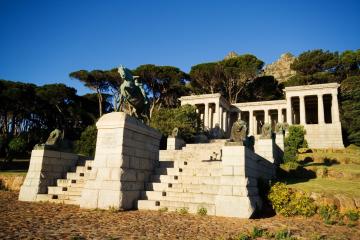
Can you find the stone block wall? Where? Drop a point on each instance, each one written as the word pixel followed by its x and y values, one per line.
pixel 324 136
pixel 175 143
pixel 126 154
pixel 238 192
pixel 46 166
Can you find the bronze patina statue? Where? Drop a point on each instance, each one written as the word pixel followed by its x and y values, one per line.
pixel 238 132
pixel 132 92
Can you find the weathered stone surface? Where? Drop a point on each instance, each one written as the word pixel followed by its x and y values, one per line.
pixel 281 68
pixel 126 150
pixel 46 166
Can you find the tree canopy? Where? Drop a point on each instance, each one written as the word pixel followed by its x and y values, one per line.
pixel 163 84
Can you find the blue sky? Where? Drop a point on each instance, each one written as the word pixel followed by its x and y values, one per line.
pixel 43 41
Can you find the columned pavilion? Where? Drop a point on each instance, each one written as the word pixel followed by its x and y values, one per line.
pixel 315 107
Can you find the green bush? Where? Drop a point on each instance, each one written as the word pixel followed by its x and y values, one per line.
pixel 184 118
pixel 352 215
pixel 287 202
pixel 17 146
pixel 329 214
pixel 87 143
pixel 284 234
pixel 257 232
pixel 294 141
pixel 202 211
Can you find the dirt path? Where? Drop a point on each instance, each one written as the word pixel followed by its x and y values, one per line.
pixel 22 220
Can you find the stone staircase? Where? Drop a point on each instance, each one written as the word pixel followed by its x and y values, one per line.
pixel 68 190
pixel 185 179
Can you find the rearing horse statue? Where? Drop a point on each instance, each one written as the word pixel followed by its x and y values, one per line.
pixel 132 92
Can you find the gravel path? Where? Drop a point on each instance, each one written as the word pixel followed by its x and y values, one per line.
pixel 23 220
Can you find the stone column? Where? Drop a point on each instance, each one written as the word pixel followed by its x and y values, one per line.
pixel 266 116
pixel 302 111
pixel 320 109
pixel 216 119
pixel 221 122
pixel 280 116
pixel 225 123
pixel 335 116
pixel 206 115
pixel 289 111
pixel 251 123
pixel 211 118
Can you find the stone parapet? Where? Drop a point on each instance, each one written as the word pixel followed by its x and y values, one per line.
pixel 241 169
pixel 175 143
pixel 46 166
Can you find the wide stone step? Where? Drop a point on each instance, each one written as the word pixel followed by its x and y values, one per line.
pixel 189 164
pixel 76 176
pixel 175 206
pixel 71 191
pixel 57 198
pixel 70 182
pixel 190 155
pixel 179 187
pixel 214 180
pixel 187 171
pixel 179 196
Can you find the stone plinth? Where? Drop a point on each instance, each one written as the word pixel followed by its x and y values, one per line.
pixel 126 153
pixel 45 167
pixel 175 143
pixel 265 148
pixel 238 194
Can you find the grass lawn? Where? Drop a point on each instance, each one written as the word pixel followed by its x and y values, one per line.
pixel 328 186
pixel 13 173
pixel 342 167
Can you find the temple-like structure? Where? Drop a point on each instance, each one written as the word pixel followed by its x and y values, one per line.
pixel 315 107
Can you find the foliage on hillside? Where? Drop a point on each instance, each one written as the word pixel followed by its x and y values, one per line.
pixel 184 118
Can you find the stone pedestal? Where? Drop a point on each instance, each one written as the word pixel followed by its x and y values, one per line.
pixel 45 167
pixel 265 148
pixel 126 153
pixel 175 143
pixel 238 194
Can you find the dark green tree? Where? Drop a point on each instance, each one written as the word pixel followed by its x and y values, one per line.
pixel 96 80
pixel 314 61
pixel 207 78
pixel 263 88
pixel 239 71
pixel 164 84
pixel 184 118
pixel 350 108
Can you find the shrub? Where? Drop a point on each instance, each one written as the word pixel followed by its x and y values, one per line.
pixel 352 215
pixel 184 118
pixel 183 211
pixel 284 234
pixel 290 203
pixel 202 211
pixel 242 236
pixel 294 141
pixel 257 232
pixel 17 146
pixel 163 209
pixel 87 143
pixel 329 214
